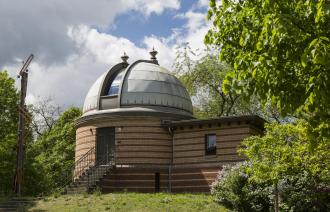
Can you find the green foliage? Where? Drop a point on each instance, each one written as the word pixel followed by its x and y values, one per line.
pixel 8 130
pixel 97 192
pixel 281 157
pixel 286 149
pixel 52 154
pixel 46 158
pixel 280 51
pixel 304 192
pixel 203 75
pixel 233 190
pixel 284 157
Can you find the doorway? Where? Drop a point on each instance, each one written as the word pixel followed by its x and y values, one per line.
pixel 105 144
pixel 157 182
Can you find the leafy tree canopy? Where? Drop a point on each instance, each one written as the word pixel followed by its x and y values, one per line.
pixel 8 130
pixel 52 153
pixel 279 50
pixel 203 75
pixel 283 157
pixel 285 149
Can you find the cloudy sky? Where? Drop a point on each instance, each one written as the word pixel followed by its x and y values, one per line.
pixel 75 41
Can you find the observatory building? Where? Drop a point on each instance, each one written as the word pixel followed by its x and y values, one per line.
pixel 138 133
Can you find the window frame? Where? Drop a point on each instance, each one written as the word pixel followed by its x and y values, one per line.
pixel 117 82
pixel 210 151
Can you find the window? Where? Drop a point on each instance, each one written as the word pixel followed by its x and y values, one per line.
pixel 114 87
pixel 210 144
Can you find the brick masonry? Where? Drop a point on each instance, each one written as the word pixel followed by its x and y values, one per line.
pixel 145 147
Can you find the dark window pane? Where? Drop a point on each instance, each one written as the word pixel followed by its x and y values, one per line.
pixel 210 144
pixel 114 87
pixel 113 90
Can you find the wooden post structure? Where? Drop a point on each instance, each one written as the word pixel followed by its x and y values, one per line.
pixel 23 74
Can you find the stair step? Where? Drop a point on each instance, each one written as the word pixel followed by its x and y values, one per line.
pixel 88 180
pixel 16 203
pixel 7 206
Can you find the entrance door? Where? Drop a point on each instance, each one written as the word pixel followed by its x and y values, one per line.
pixel 105 144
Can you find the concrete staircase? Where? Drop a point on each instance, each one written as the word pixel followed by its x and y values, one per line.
pixel 16 204
pixel 89 180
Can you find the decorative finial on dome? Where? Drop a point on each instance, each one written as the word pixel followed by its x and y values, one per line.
pixel 125 57
pixel 153 54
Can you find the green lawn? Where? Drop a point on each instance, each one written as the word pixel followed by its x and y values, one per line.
pixel 3 199
pixel 128 202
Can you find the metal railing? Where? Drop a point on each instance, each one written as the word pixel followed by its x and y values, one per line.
pixel 82 165
pixel 100 168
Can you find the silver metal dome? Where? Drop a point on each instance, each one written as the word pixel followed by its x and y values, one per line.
pixel 140 87
pixel 93 95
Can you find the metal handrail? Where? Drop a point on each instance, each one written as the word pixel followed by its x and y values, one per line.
pixel 79 167
pixel 95 173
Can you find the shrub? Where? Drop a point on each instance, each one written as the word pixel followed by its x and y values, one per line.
pixel 303 192
pixel 295 162
pixel 233 190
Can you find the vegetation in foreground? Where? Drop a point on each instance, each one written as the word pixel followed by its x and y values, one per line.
pixel 280 172
pixel 128 202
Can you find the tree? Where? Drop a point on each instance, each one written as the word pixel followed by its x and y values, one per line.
pixel 48 156
pixel 8 130
pixel 283 156
pixel 233 190
pixel 45 113
pixel 203 75
pixel 52 154
pixel 279 50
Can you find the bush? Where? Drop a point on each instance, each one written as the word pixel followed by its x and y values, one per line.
pixel 233 190
pixel 282 165
pixel 303 192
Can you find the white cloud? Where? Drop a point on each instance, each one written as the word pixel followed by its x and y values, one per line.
pixel 203 3
pixel 91 52
pixel 40 26
pixel 151 6
pixel 104 47
pixel 196 28
pixel 66 83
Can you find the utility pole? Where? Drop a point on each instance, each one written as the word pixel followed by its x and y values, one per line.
pixel 23 74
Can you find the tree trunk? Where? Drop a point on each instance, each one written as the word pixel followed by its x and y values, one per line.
pixel 276 198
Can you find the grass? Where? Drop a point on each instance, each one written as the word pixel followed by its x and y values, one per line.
pixel 5 198
pixel 128 202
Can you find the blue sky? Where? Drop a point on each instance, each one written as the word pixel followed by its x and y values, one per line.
pixel 135 26
pixel 76 41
